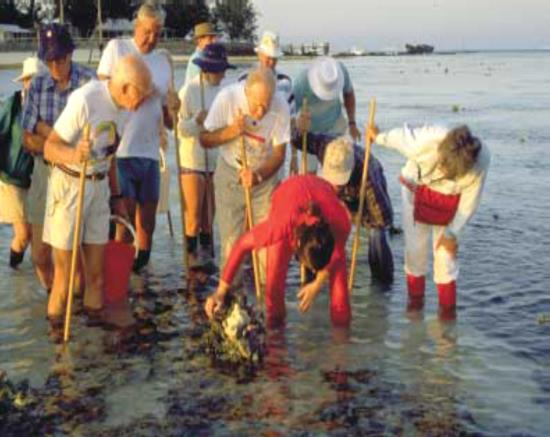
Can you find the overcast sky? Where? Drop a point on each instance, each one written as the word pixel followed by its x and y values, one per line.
pixel 379 24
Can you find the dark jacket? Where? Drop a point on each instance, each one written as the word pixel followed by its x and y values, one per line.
pixel 377 211
pixel 16 163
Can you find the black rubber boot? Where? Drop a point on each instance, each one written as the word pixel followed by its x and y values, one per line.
pixel 16 258
pixel 142 260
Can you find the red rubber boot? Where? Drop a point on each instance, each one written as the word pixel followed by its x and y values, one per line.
pixel 416 285
pixel 447 301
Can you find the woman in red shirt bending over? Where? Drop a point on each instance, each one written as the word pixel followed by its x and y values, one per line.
pixel 307 219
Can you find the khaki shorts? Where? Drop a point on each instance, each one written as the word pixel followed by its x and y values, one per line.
pixel 36 197
pixel 12 203
pixel 61 204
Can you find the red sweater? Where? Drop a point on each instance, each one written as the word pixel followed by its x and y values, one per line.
pixel 288 202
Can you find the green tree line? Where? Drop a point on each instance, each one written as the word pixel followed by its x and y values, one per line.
pixel 237 18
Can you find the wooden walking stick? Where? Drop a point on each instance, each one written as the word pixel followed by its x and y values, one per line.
pixel 304 143
pixel 180 184
pixel 250 220
pixel 362 195
pixel 76 240
pixel 209 185
pixel 304 172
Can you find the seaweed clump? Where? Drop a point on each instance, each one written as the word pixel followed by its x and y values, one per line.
pixel 18 408
pixel 236 338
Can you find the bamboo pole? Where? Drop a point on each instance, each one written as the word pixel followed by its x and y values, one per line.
pixel 304 172
pixel 250 220
pixel 362 194
pixel 209 185
pixel 180 184
pixel 304 143
pixel 76 241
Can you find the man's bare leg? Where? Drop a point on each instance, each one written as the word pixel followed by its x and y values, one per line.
pixel 60 287
pixel 93 271
pixel 41 254
pixel 145 226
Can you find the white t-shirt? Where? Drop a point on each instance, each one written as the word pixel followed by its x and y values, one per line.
pixel 192 154
pixel 93 104
pixel 141 136
pixel 260 136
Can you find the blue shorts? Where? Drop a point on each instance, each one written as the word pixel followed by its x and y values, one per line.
pixel 139 179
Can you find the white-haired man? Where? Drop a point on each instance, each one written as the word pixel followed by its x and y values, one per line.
pixel 98 107
pixel 138 153
pixel 252 112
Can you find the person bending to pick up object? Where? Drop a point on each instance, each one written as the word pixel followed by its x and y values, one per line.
pixel 442 184
pixel 99 105
pixel 307 219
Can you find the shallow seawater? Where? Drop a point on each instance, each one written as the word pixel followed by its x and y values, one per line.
pixel 394 372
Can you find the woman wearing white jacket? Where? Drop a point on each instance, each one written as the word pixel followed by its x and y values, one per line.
pixel 196 163
pixel 442 183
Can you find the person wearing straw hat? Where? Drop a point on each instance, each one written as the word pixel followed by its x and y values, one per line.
pixel 47 97
pixel 203 34
pixel 138 154
pixel 253 113
pixel 306 218
pixel 16 163
pixel 342 165
pixel 197 97
pixel 269 52
pixel 98 107
pixel 442 182
pixel 323 84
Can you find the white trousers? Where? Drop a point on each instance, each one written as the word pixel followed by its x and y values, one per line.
pixel 417 243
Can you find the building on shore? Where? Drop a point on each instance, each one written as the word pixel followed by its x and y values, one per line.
pixel 11 32
pixel 313 49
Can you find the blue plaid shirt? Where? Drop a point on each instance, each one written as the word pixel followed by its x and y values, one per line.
pixel 45 101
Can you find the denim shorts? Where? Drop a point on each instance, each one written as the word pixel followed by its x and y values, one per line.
pixel 139 179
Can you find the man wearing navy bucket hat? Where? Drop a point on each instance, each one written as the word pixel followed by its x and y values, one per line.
pixel 47 97
pixel 197 164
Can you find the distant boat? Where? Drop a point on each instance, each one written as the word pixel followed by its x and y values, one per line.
pixel 418 49
pixel 355 51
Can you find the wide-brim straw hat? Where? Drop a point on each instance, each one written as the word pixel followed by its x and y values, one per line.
pixel 31 66
pixel 269 45
pixel 213 59
pixel 204 29
pixel 326 78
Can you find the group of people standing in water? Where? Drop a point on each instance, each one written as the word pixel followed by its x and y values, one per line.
pixel 232 139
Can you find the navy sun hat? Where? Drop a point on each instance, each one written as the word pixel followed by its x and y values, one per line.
pixel 55 42
pixel 213 59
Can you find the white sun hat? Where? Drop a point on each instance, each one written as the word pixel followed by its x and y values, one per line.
pixel 338 161
pixel 269 45
pixel 31 66
pixel 326 78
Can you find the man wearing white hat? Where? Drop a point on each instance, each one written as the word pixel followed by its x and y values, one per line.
pixel 322 84
pixel 269 51
pixel 16 164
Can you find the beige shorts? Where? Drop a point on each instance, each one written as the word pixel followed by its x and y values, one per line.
pixel 36 197
pixel 61 204
pixel 12 203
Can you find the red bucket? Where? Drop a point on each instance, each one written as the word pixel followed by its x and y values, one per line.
pixel 119 259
